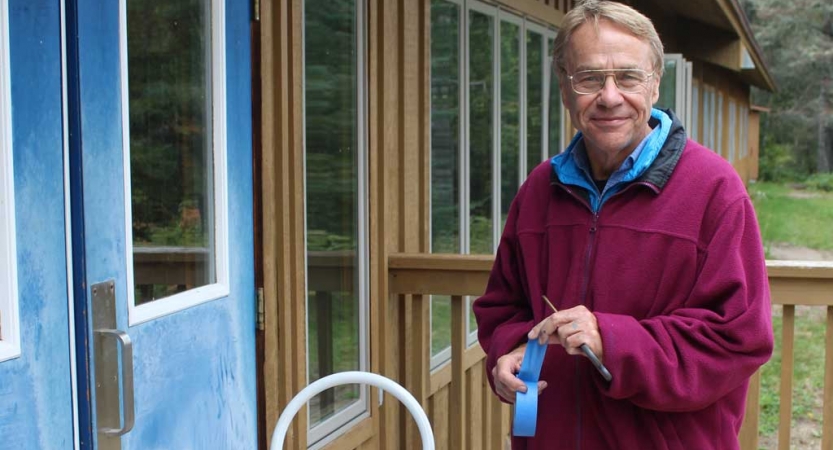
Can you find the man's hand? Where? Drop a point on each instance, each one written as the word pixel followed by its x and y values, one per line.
pixel 570 328
pixel 504 374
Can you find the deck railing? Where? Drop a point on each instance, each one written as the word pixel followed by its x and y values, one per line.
pixel 465 414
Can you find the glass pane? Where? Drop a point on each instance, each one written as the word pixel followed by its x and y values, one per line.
pixel 445 153
pixel 171 148
pixel 555 110
pixel 668 87
pixel 332 199
pixel 445 128
pixel 481 97
pixel 510 136
pixel 534 100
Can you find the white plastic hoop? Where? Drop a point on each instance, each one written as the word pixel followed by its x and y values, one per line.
pixel 336 379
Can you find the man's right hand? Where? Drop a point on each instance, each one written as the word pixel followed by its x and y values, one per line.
pixel 505 375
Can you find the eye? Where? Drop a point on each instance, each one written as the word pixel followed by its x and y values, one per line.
pixel 589 77
pixel 630 76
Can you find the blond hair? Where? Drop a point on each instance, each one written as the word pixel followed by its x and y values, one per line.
pixel 592 11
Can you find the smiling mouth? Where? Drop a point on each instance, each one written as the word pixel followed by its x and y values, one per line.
pixel 609 120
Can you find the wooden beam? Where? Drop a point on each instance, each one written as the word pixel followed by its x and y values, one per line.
pixel 714 45
pixel 536 10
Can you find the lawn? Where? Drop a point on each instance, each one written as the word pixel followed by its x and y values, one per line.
pixel 797 217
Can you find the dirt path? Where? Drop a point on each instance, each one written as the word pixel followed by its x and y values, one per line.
pixel 784 251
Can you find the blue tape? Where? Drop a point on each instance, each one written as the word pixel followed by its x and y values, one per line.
pixel 526 403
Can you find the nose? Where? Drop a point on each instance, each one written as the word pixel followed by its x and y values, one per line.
pixel 609 95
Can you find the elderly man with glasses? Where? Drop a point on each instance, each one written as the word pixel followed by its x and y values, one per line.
pixel 648 247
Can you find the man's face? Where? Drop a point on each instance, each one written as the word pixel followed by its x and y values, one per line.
pixel 613 122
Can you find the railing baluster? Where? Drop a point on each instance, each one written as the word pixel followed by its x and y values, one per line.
pixel 787 357
pixel 827 420
pixel 458 373
pixel 749 431
pixel 418 363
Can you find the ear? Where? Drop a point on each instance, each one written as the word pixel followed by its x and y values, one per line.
pixel 564 87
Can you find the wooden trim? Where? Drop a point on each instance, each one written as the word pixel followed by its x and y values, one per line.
pixel 457 399
pixel 786 395
pixel 356 436
pixel 827 408
pixel 536 10
pixel 748 435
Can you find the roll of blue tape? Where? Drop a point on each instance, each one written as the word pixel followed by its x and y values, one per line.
pixel 526 403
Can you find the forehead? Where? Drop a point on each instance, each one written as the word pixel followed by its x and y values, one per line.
pixel 607 47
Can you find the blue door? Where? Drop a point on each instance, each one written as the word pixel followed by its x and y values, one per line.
pixel 160 126
pixel 36 374
pixel 132 323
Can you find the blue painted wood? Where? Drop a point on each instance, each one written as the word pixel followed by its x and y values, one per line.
pixel 195 369
pixel 35 389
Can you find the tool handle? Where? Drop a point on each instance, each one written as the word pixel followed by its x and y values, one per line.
pixel 595 360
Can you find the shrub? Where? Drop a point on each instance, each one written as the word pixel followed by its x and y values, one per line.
pixel 776 163
pixel 820 182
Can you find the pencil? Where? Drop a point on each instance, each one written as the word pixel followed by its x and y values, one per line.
pixel 587 350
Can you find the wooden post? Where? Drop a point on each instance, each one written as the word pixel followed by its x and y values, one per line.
pixel 787 339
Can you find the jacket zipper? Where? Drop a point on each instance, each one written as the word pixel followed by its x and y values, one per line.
pixel 586 278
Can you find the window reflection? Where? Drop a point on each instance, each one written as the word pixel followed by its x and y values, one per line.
pixel 332 158
pixel 171 149
pixel 481 94
pixel 510 106
pixel 535 100
pixel 445 153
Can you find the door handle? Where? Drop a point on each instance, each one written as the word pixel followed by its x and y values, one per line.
pixel 127 414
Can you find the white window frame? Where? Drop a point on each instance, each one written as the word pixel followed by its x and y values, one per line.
pixel 9 300
pixel 220 288
pixel 694 131
pixel 719 123
pixel 339 423
pixel 744 131
pixel 498 15
pixel 732 153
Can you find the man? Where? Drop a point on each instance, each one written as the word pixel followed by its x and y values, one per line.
pixel 648 246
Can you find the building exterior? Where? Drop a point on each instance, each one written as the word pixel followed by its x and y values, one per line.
pixel 204 206
pixel 430 113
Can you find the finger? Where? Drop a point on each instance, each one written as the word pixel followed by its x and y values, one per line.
pixel 541 386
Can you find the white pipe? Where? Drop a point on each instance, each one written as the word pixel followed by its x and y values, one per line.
pixel 319 386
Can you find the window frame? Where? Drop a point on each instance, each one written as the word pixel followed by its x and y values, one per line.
pixel 342 421
pixel 9 299
pixel 525 24
pixel 220 288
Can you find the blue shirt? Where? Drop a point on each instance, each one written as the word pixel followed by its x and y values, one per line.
pixel 573 166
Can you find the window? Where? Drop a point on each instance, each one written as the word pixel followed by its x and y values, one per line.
pixel 718 125
pixel 174 117
pixel 9 320
pixel 695 111
pixel 495 114
pixel 733 156
pixel 446 154
pixel 675 89
pixel 335 169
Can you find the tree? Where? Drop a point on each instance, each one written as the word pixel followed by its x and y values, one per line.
pixel 797 42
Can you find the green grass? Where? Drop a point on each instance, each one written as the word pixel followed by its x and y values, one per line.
pixel 800 218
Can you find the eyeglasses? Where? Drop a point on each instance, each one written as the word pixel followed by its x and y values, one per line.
pixel 629 81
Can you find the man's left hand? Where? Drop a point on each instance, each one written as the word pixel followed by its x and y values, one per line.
pixel 570 328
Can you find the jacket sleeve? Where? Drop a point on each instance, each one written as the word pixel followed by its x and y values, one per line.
pixel 504 316
pixel 697 354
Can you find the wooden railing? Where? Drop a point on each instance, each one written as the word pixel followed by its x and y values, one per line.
pixel 465 414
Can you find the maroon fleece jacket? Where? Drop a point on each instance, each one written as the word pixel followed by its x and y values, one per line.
pixel 673 269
